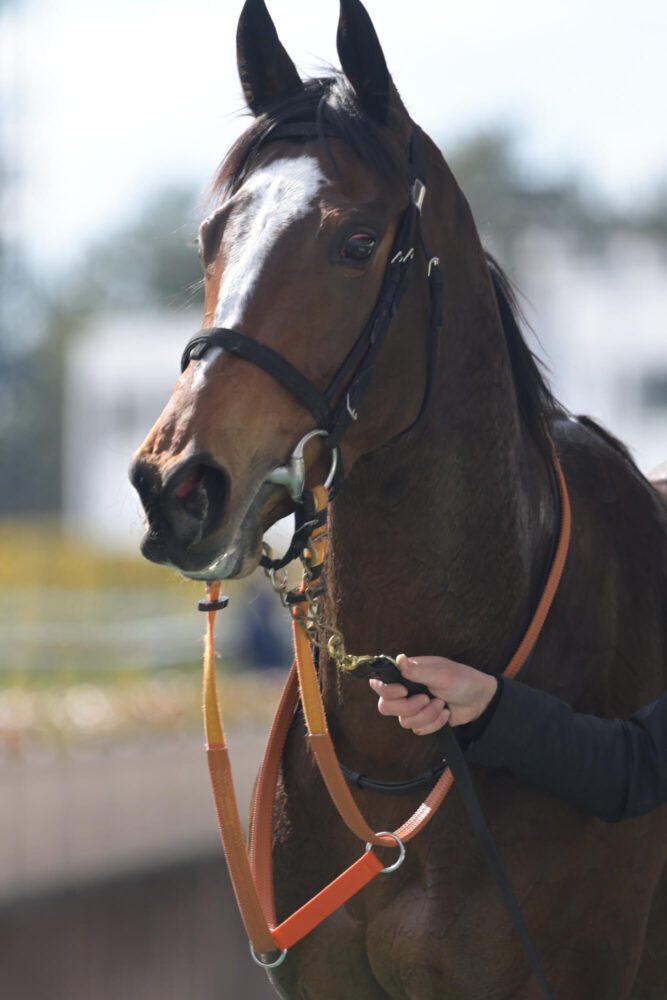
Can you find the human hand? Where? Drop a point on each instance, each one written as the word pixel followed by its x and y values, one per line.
pixel 460 694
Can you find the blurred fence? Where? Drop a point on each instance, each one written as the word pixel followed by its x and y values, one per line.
pixel 110 863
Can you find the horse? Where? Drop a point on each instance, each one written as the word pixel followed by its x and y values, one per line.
pixel 438 539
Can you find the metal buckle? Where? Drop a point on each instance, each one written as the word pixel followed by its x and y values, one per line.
pixel 401 848
pixel 293 476
pixel 418 193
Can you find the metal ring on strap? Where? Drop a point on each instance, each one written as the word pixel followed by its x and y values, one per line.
pixel 267 965
pixel 401 847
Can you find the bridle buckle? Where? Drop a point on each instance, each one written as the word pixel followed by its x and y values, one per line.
pixel 418 194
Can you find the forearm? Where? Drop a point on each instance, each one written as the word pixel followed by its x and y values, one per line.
pixel 611 768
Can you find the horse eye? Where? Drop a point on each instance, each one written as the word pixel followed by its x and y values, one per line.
pixel 360 246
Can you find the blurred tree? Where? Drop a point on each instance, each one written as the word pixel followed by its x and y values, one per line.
pixel 652 219
pixel 144 265
pixel 505 198
pixel 150 262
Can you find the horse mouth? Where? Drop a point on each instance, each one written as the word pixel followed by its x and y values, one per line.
pixel 229 551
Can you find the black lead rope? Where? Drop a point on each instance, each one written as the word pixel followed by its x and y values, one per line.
pixel 461 772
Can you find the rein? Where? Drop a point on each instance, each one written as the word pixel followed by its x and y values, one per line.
pixel 252 872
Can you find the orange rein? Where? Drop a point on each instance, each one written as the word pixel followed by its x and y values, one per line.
pixel 252 872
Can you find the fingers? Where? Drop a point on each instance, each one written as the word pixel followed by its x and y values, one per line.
pixel 388 705
pixel 432 671
pixel 425 719
pixel 421 714
pixel 388 691
pixel 441 719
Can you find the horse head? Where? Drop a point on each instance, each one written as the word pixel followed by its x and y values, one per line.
pixel 295 257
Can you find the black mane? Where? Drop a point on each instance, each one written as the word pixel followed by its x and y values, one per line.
pixel 535 399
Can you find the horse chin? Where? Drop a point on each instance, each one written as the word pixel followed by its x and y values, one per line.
pixel 231 565
pixel 241 556
pixel 237 560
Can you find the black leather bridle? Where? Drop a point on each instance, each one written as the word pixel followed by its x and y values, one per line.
pixel 339 404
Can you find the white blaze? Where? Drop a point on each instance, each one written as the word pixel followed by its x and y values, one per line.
pixel 273 197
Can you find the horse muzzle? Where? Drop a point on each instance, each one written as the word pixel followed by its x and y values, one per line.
pixel 184 509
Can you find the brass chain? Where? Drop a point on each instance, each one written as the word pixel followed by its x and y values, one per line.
pixel 310 614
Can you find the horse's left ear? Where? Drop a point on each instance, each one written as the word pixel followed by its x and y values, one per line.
pixel 267 73
pixel 363 62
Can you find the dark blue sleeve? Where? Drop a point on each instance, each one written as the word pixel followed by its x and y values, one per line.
pixel 612 768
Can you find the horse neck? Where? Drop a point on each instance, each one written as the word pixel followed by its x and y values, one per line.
pixel 438 539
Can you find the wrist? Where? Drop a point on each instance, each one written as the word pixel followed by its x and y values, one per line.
pixel 489 687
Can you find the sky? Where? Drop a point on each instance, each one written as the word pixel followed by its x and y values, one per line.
pixel 106 102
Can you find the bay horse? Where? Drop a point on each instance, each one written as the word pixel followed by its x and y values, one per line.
pixel 438 542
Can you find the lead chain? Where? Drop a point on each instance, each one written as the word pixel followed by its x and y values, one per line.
pixel 320 633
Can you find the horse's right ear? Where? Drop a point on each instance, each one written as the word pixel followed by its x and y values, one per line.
pixel 363 62
pixel 267 73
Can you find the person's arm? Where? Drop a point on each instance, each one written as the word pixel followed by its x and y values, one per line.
pixel 615 769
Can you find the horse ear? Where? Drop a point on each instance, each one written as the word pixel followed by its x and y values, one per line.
pixel 267 73
pixel 363 62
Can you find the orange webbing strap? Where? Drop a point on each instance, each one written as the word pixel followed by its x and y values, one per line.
pixel 309 686
pixel 261 819
pixel 530 638
pixel 324 903
pixel 231 831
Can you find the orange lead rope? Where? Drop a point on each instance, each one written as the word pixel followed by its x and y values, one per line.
pixel 252 874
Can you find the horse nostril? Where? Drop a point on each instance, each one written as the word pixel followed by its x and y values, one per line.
pixel 146 481
pixel 199 496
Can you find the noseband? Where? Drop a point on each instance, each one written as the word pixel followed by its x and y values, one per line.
pixel 338 405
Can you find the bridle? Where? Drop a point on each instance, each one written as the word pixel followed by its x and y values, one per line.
pixel 336 407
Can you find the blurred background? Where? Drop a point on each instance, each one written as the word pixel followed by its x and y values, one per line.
pixel 112 121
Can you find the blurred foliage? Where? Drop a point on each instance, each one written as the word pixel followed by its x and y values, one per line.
pixel 145 264
pixel 151 262
pixel 506 199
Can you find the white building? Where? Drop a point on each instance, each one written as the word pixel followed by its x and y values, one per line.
pixel 118 379
pixel 601 320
